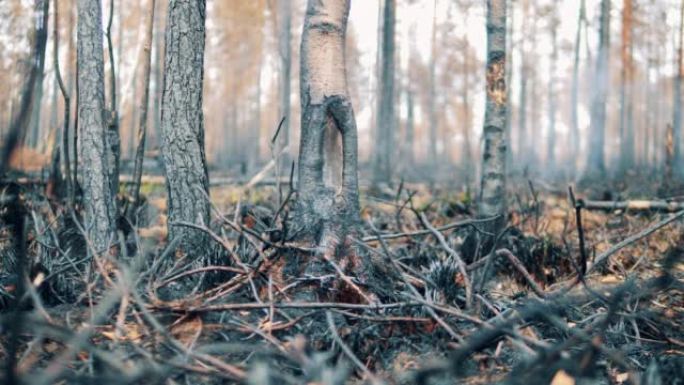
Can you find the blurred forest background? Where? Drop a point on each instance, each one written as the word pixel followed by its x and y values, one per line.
pixel 438 89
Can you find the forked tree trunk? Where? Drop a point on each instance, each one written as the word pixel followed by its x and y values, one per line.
pixel 144 103
pixel 182 124
pixel 493 186
pixel 100 213
pixel 328 201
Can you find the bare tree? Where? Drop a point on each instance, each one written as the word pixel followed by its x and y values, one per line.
pixel 574 99
pixel 626 80
pixel 285 47
pixel 493 186
pixel 596 164
pixel 182 123
pixel 552 90
pixel 113 136
pixel 384 130
pixel 41 8
pixel 144 102
pixel 67 106
pixel 328 201
pixel 677 119
pixel 100 211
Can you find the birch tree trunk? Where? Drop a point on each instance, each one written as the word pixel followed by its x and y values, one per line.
pixel 328 201
pixel 182 123
pixel 596 164
pixel 100 213
pixel 493 186
pixel 384 132
pixel 144 103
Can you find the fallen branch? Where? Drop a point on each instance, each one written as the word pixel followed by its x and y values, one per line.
pixel 634 205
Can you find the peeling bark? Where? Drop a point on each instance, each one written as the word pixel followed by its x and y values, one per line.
pixel 493 186
pixel 182 123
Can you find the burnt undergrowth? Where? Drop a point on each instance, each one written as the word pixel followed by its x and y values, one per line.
pixel 435 304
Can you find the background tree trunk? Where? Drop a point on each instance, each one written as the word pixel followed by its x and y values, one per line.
pixel 596 164
pixel 574 99
pixel 552 90
pixel 677 119
pixel 114 138
pixel 285 47
pixel 41 9
pixel 144 103
pixel 432 112
pixel 493 186
pixel 384 130
pixel 626 83
pixel 182 123
pixel 100 213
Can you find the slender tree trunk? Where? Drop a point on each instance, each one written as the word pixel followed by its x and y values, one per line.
pixel 626 82
pixel 144 103
pixel 574 99
pixel 466 153
pixel 100 212
pixel 41 8
pixel 596 163
pixel 68 177
pixel 551 137
pixel 285 47
pixel 432 96
pixel 187 179
pixel 328 202
pixel 113 136
pixel 493 186
pixel 677 119
pixel 384 132
pixel 510 47
pixel 158 79
pixel 523 147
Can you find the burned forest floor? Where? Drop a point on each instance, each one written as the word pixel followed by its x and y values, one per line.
pixel 457 305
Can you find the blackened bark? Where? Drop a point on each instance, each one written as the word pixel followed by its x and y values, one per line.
pixel 493 187
pixel 384 131
pixel 182 123
pixel 65 156
pixel 100 214
pixel 328 208
pixel 144 103
pixel 596 164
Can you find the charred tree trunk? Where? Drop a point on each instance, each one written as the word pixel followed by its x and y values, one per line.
pixel 65 156
pixel 182 123
pixel 384 131
pixel 493 186
pixel 328 197
pixel 100 213
pixel 144 103
pixel 596 164
pixel 626 82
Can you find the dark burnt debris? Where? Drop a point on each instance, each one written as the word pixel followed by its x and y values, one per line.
pixel 147 316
